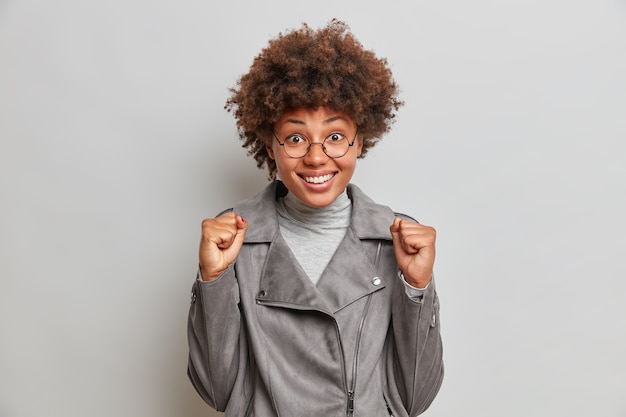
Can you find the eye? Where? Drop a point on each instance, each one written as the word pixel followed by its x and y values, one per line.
pixel 293 140
pixel 335 137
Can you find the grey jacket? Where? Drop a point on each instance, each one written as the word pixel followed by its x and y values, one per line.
pixel 265 341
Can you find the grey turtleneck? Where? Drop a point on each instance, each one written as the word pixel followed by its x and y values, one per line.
pixel 313 233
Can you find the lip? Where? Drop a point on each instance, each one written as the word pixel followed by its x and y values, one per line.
pixel 317 177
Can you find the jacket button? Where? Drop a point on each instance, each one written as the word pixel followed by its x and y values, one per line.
pixel 262 293
pixel 376 281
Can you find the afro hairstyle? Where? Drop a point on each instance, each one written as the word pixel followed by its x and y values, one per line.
pixel 313 68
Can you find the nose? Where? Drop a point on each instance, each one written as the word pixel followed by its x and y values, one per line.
pixel 315 155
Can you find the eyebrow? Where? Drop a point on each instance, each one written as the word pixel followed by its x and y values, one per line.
pixel 327 121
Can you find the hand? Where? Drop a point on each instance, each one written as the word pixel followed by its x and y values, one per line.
pixel 221 242
pixel 414 246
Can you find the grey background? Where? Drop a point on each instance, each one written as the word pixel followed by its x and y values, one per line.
pixel 115 145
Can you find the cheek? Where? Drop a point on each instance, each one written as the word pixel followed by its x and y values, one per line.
pixel 348 164
pixel 284 164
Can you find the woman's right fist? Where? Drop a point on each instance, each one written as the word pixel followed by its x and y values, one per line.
pixel 221 242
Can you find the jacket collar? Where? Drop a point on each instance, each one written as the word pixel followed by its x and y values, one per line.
pixel 348 276
pixel 369 219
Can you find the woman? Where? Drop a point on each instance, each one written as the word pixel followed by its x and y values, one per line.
pixel 311 299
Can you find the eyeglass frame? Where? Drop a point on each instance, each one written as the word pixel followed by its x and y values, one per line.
pixel 308 149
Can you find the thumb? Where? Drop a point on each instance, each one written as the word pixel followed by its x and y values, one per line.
pixel 237 242
pixel 242 226
pixel 395 230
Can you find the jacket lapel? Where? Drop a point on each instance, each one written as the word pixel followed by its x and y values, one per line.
pixel 370 220
pixel 350 274
pixel 284 282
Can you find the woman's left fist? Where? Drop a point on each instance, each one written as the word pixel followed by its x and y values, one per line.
pixel 414 246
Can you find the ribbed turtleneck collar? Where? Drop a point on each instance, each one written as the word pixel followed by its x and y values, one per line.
pixel 336 214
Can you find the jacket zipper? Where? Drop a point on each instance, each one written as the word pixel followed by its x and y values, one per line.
pixel 350 411
pixel 355 362
pixel 388 407
pixel 350 403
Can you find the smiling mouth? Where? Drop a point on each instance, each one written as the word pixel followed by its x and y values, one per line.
pixel 318 180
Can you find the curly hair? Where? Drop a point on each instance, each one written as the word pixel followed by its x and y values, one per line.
pixel 313 68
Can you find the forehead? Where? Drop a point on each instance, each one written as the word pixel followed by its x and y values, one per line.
pixel 313 117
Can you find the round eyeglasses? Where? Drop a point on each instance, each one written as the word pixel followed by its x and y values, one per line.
pixel 298 145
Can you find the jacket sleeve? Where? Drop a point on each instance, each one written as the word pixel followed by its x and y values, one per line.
pixel 213 335
pixel 417 365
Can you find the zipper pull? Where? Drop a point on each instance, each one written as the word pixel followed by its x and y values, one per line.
pixel 350 403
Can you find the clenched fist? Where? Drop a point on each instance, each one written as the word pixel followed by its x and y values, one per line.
pixel 414 246
pixel 221 242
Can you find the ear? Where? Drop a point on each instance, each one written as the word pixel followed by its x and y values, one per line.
pixel 359 145
pixel 270 151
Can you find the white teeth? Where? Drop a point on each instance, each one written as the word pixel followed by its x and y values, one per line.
pixel 319 180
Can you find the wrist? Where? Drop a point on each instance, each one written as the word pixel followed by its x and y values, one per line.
pixel 420 284
pixel 207 274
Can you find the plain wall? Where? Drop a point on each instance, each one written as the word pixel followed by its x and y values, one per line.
pixel 114 145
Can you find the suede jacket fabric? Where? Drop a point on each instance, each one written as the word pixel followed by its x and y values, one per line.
pixel 265 341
